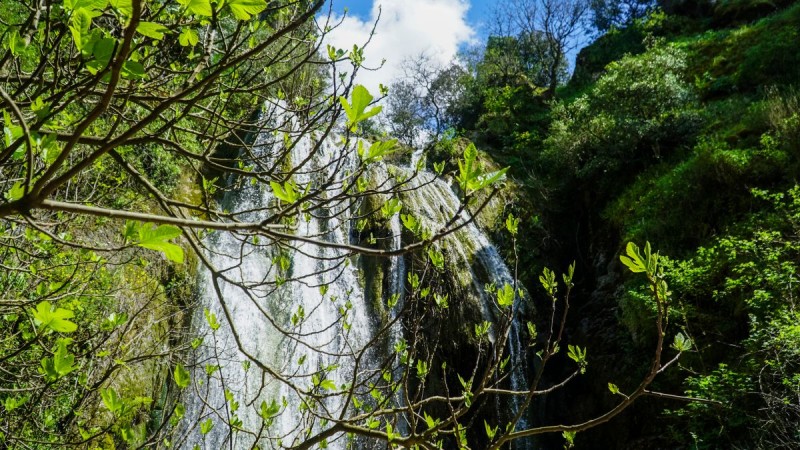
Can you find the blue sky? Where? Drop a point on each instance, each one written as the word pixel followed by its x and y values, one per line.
pixel 478 11
pixel 437 29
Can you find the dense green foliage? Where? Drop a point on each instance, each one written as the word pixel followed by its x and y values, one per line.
pixel 116 107
pixel 680 128
pixel 125 121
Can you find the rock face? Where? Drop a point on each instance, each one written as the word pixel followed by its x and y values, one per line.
pixel 473 267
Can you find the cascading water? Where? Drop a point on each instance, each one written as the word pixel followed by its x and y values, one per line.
pixel 435 202
pixel 301 312
pixel 297 309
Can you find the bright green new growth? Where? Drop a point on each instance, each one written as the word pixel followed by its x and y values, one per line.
pixel 245 9
pixel 56 319
pixel 471 176
pixel 288 192
pixel 391 207
pixel 152 29
pixel 356 109
pixel 578 355
pixel 111 400
pixel 61 364
pixel 376 151
pixel 181 376
pixel 505 296
pixel 156 237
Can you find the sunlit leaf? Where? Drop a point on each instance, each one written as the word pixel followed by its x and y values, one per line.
pixel 152 29
pixel 16 192
pixel 355 110
pixel 91 5
pixel 125 7
pixel 198 7
pixel 54 318
pixel 62 360
pixel 157 238
pixel 133 69
pixel 188 37
pixel 244 9
pixel 111 400
pixel 181 376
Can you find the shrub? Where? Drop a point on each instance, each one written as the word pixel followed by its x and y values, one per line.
pixel 635 113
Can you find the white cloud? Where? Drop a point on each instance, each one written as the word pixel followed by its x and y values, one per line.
pixel 407 28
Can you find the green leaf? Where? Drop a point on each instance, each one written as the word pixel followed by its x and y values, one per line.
pixel 356 109
pixel 486 179
pixel 490 432
pixel 441 300
pixel 111 400
pixel 198 7
pixel 471 177
pixel 54 318
pixel 152 29
pixel 569 436
pixel 188 38
pixel 102 52
pixel 578 355
pixel 682 343
pixel 133 70
pixel 16 192
pixel 512 224
pixel 411 223
pixel 482 329
pixel 125 7
pixel 157 238
pixel 12 403
pixel 181 376
pixel 79 27
pixel 548 281
pixel 91 5
pixel 422 369
pixel 429 421
pixel 531 331
pixel 180 411
pixel 328 385
pixel 206 426
pixel 436 257
pixel 11 133
pixel 376 151
pixel 633 261
pixel 269 411
pixel 505 296
pixel 287 193
pixel 48 369
pixel 391 207
pixel 41 108
pixel 613 388
pixel 244 9
pixel 62 360
pixel 211 369
pixel 15 43
pixel 390 434
pixel 211 318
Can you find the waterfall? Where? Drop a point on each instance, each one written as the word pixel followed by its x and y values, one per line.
pixel 302 310
pixel 434 201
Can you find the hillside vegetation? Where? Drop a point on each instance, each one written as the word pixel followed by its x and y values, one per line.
pixel 680 129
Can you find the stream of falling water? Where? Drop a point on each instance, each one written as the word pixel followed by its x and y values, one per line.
pixel 434 201
pixel 302 310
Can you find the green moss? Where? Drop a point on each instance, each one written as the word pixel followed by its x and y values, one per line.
pixel 745 58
